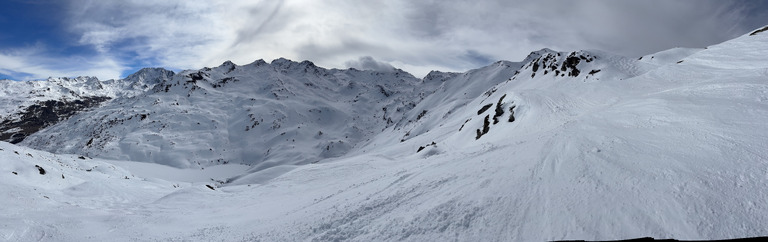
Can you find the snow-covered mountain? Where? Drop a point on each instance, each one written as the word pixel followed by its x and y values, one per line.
pixel 28 106
pixel 263 114
pixel 562 145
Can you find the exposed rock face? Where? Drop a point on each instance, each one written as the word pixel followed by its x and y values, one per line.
pixel 763 29
pixel 554 64
pixel 30 106
pixel 43 114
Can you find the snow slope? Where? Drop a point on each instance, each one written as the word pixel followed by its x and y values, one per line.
pixel 21 93
pixel 28 106
pixel 660 148
pixel 281 113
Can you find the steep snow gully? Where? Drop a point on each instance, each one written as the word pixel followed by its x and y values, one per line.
pixel 578 145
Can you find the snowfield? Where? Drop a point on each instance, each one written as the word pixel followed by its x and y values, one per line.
pixel 561 146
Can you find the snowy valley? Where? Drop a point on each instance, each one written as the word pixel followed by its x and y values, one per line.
pixel 580 145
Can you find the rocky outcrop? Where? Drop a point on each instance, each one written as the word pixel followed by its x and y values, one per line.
pixel 43 114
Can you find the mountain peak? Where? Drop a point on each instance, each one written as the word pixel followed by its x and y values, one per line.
pixel 439 75
pixel 259 62
pixel 307 63
pixel 282 61
pixel 560 64
pixel 78 79
pixel 289 63
pixel 149 75
pixel 228 64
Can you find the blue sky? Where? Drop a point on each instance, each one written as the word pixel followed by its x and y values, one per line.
pixel 112 39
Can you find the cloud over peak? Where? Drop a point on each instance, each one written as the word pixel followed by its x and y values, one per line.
pixel 368 63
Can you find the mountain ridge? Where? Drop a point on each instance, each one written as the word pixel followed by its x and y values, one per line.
pixel 312 92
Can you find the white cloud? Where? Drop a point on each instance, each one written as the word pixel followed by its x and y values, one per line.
pixel 33 64
pixel 450 35
pixel 368 63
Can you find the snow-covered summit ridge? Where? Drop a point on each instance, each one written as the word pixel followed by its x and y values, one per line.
pixel 149 76
pixel 583 64
pixel 28 106
pixel 276 92
pixel 65 87
pixel 260 114
pixel 244 113
pixel 591 80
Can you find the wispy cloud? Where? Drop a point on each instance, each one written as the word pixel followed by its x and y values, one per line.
pixel 450 35
pixel 33 63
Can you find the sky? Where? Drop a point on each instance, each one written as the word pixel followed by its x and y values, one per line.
pixel 112 39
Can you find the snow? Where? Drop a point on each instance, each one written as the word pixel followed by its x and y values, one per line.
pixel 22 103
pixel 208 174
pixel 16 95
pixel 647 147
pixel 242 115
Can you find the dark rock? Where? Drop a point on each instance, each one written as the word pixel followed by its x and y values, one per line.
pixel 570 63
pixel 512 113
pixel 43 114
pixel 499 110
pixel 465 123
pixel 383 91
pixel 759 30
pixel 484 108
pixel 421 115
pixel 486 127
pixel 40 169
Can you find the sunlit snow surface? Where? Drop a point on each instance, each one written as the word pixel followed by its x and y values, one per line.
pixel 668 146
